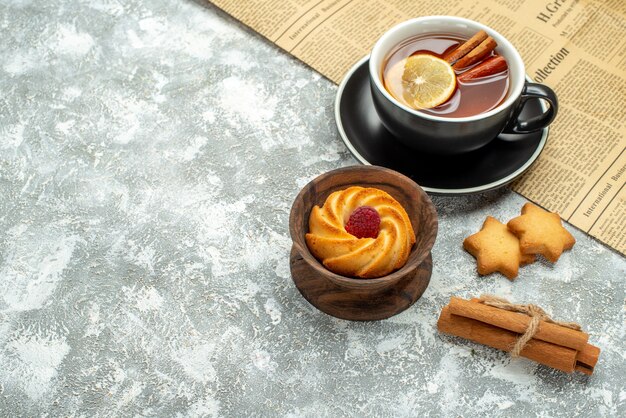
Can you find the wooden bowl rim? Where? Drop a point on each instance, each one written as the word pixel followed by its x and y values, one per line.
pixel 392 277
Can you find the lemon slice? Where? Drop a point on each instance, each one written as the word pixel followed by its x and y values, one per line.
pixel 428 81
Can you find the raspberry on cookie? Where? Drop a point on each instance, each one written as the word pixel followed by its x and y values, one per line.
pixel 364 222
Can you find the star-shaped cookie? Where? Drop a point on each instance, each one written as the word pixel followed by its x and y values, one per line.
pixel 541 232
pixel 496 249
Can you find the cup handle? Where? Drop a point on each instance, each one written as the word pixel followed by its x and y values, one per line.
pixel 536 123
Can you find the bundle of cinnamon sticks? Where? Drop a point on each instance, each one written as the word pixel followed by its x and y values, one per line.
pixel 552 345
pixel 478 48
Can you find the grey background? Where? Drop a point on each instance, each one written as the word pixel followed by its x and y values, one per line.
pixel 149 155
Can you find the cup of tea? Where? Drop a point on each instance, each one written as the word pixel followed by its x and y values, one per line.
pixel 432 115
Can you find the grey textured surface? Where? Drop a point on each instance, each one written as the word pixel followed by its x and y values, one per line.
pixel 149 155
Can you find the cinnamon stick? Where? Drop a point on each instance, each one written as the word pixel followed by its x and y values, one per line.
pixel 587 358
pixel 490 66
pixel 476 54
pixel 494 332
pixel 551 355
pixel 518 323
pixel 465 48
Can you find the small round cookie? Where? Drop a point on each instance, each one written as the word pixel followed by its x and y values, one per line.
pixel 366 254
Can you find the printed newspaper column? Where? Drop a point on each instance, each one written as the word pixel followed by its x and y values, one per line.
pixel 601 211
pixel 584 24
pixel 314 37
pixel 265 16
pixel 581 171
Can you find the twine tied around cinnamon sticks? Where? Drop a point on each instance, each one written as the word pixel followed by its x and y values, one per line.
pixel 536 313
pixel 498 323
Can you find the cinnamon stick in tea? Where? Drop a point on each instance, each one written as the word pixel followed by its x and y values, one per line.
pixel 477 54
pixel 518 323
pixel 458 53
pixel 488 67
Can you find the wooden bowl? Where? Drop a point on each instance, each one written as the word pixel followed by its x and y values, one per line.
pixel 355 298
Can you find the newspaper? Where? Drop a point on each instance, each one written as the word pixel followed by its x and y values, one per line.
pixel 577 47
